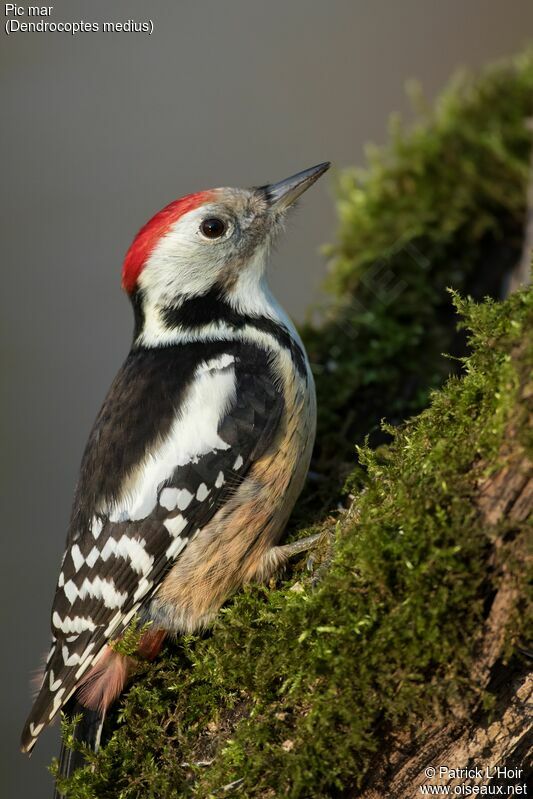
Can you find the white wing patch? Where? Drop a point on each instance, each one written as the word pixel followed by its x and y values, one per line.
pixel 194 433
pixel 221 362
pixel 115 565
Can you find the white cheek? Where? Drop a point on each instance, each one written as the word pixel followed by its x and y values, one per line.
pixel 184 261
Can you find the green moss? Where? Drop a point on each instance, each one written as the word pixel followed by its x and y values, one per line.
pixel 442 205
pixel 129 643
pixel 299 683
pixel 294 689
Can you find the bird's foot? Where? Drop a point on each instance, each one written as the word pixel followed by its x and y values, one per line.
pixel 297 547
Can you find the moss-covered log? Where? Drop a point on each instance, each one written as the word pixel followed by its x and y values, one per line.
pixel 444 204
pixel 402 641
pixel 500 735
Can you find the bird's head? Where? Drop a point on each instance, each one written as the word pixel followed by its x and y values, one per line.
pixel 216 240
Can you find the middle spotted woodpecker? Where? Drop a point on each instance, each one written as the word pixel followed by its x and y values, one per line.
pixel 197 456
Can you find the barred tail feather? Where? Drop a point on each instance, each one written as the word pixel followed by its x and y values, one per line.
pixel 88 731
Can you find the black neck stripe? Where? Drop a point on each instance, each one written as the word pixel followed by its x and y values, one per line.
pixel 201 311
pixel 138 313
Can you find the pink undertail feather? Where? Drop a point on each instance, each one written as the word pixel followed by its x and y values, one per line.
pixel 102 684
pixel 99 688
pixel 94 695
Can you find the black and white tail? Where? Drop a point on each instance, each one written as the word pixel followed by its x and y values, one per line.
pixel 88 731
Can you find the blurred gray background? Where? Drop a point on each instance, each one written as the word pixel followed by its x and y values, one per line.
pixel 101 130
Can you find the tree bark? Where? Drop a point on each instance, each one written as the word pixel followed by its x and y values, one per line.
pixel 468 752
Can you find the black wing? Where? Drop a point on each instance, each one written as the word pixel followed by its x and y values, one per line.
pixel 198 420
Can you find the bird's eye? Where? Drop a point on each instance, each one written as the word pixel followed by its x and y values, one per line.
pixel 213 228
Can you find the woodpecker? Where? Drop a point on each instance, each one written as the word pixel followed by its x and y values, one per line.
pixel 197 456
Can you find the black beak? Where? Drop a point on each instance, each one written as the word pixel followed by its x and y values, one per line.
pixel 283 194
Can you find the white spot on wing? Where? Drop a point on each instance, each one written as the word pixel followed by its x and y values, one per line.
pixel 35 729
pixel 71 591
pixel 219 482
pixel 70 659
pixel 110 547
pixel 54 684
pixel 184 499
pixel 78 624
pixel 238 463
pixel 96 589
pixel 130 549
pixel 202 493
pixel 169 498
pixel 77 557
pixel 92 557
pixel 57 703
pixel 96 526
pixel 176 524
